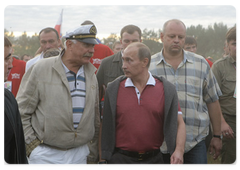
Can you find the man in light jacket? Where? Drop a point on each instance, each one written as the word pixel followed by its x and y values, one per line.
pixel 58 103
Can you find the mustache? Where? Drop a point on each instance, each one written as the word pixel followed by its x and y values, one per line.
pixel 88 55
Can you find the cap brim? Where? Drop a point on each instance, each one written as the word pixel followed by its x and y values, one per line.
pixel 89 40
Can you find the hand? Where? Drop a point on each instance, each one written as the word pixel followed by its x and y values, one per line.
pixel 215 147
pixel 177 157
pixel 227 131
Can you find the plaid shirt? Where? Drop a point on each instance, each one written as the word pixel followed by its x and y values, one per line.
pixel 196 86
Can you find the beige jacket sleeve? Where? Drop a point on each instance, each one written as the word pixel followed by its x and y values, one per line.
pixel 27 99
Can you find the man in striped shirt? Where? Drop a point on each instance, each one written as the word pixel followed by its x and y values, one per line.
pixel 58 103
pixel 197 89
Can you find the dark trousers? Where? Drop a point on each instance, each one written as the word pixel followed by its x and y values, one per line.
pixel 229 145
pixel 197 155
pixel 118 158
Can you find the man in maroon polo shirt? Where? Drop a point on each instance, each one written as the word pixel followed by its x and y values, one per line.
pixel 140 113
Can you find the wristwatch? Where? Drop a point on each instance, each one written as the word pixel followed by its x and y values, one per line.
pixel 218 136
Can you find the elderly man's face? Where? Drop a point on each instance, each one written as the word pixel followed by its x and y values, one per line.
pixel 81 52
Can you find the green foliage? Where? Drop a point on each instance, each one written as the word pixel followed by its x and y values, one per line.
pixel 210 40
pixel 23 44
pixel 110 40
pixel 152 39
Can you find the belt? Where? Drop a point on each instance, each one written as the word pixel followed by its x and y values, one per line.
pixel 139 155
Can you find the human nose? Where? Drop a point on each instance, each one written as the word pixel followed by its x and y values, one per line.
pixel 176 39
pixel 123 64
pixel 48 45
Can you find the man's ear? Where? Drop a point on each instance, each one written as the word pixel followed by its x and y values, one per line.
pixel 145 62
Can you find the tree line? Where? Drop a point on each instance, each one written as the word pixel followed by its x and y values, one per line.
pixel 210 40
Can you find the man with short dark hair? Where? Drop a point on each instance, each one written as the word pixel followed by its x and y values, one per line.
pixel 48 38
pixel 191 45
pixel 111 67
pixel 140 112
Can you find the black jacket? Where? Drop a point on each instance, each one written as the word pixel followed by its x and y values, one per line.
pixel 14 142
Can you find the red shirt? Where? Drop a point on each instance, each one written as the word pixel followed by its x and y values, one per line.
pixel 209 62
pixel 16 74
pixel 100 52
pixel 139 125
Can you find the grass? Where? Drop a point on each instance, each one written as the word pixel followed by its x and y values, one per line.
pixel 212 161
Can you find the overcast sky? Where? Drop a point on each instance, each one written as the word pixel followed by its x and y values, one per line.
pixel 111 18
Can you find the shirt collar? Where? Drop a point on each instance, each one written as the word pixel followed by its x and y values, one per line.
pixel 231 59
pixel 151 81
pixel 81 69
pixel 186 57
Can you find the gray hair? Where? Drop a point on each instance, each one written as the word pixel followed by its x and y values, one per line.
pixel 73 41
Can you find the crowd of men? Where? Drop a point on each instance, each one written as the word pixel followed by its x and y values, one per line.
pixel 80 102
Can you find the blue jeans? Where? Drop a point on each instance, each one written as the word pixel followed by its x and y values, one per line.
pixel 197 155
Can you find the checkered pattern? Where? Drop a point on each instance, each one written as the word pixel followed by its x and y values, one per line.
pixel 196 86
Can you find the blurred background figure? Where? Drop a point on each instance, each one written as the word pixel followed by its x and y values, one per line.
pixel 116 47
pixel 225 48
pixel 16 74
pixel 191 45
pixel 25 57
pixel 224 70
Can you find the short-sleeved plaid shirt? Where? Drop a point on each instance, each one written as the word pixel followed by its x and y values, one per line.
pixel 196 86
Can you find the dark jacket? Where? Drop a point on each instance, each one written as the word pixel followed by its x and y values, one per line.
pixel 110 69
pixel 109 117
pixel 14 143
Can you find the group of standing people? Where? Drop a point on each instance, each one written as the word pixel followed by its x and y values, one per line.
pixel 157 109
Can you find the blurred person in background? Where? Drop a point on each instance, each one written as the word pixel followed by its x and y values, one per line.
pixel 224 70
pixel 116 47
pixel 191 45
pixel 25 57
pixel 226 49
pixel 48 38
